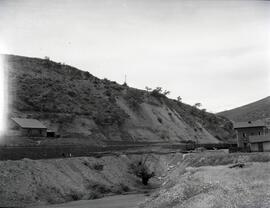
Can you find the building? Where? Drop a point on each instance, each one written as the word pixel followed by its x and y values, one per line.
pixel 28 127
pixel 260 143
pixel 252 135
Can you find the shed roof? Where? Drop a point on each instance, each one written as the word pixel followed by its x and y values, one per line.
pixel 259 138
pixel 29 123
pixel 249 124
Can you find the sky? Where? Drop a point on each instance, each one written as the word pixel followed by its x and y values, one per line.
pixel 213 52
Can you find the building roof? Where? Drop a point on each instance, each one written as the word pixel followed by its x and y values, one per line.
pixel 29 123
pixel 259 138
pixel 249 124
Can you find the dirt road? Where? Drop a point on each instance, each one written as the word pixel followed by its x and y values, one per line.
pixel 119 201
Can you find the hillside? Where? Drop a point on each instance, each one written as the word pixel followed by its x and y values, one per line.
pixel 79 105
pixel 250 112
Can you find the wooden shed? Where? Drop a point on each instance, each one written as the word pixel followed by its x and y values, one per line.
pixel 29 127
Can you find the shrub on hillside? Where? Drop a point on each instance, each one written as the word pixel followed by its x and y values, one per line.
pixel 122 188
pixel 157 92
pixel 111 115
pixel 159 120
pixel 108 93
pixel 87 75
pixel 98 166
pixel 71 93
pixel 141 170
pixel 98 190
pixel 134 98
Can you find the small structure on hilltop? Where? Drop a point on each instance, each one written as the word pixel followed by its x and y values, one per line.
pixel 28 127
pixel 253 135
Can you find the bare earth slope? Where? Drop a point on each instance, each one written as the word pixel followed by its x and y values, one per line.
pixel 250 112
pixel 25 182
pixel 188 180
pixel 215 186
pixel 78 105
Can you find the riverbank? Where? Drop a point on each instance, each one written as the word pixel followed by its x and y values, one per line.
pixel 52 181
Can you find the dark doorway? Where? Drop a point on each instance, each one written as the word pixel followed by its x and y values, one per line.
pixel 260 147
pixel 50 134
pixel 245 146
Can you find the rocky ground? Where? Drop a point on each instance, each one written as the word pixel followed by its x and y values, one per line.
pixel 216 186
pixel 203 187
pixel 189 180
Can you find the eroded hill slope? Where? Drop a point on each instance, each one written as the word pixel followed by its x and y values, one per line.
pixel 76 104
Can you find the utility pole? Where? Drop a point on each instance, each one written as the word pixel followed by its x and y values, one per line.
pixel 125 83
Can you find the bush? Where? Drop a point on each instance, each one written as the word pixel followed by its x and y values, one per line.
pixel 110 115
pixel 75 197
pixel 124 187
pixel 71 93
pixel 87 75
pixel 121 189
pixel 141 170
pixel 134 98
pixel 108 93
pixel 98 166
pixel 86 164
pixel 157 92
pixel 98 190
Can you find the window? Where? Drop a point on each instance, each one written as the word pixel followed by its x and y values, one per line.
pixel 259 133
